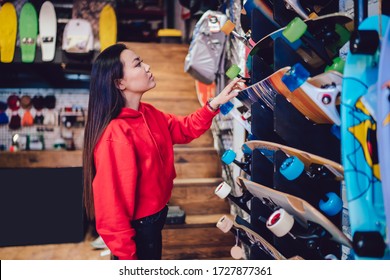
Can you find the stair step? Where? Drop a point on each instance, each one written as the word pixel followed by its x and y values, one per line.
pixel 197 162
pixel 206 140
pixel 198 238
pixel 196 196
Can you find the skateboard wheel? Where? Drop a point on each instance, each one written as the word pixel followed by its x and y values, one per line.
pixel 337 65
pixel 223 190
pixel 364 42
pixel 294 30
pixel 229 156
pixel 369 244
pixel 228 27
pixel 226 108
pixel 332 206
pixel 280 222
pixel 233 71
pixel 224 224
pixel 246 150
pixel 295 77
pixel 291 168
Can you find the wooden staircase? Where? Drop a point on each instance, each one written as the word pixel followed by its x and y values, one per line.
pixel 197 164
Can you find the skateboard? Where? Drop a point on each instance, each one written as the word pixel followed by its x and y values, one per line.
pixel 226 223
pixel 289 211
pixel 48 30
pixel 314 97
pixel 297 163
pixel 8 30
pixel 359 151
pixel 316 41
pixel 28 32
pixel 107 27
pixel 383 121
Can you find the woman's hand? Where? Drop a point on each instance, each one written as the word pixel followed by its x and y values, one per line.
pixel 229 92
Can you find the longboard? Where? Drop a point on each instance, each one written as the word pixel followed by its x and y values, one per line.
pixel 8 30
pixel 28 31
pixel 360 154
pixel 383 121
pixel 309 46
pixel 302 212
pixel 107 27
pixel 48 30
pixel 308 159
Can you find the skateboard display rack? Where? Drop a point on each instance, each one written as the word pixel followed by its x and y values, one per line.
pixel 293 161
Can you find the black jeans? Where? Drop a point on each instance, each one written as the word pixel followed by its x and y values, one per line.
pixel 148 237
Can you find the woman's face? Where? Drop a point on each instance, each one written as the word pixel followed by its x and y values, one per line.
pixel 137 77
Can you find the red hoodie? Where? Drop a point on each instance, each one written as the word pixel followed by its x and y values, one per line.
pixel 134 163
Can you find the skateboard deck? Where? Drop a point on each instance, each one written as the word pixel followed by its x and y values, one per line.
pixel 28 31
pixel 311 47
pixel 204 91
pixel 315 98
pixel 302 212
pixel 383 121
pixel 264 90
pixel 226 222
pixel 107 27
pixel 8 30
pixel 48 30
pixel 359 152
pixel 309 160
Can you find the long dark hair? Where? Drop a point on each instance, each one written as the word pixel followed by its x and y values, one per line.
pixel 105 103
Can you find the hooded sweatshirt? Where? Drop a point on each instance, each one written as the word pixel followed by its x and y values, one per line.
pixel 134 163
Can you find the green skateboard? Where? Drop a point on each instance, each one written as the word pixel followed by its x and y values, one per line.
pixel 28 31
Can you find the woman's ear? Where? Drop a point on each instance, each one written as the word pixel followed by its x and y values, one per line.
pixel 119 85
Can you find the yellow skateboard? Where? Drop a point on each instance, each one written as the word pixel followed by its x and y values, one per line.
pixel 107 27
pixel 8 30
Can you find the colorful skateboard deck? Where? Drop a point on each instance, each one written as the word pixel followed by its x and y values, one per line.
pixel 107 27
pixel 340 23
pixel 359 152
pixel 28 31
pixel 264 90
pixel 315 98
pixel 204 91
pixel 383 121
pixel 8 30
pixel 48 30
pixel 303 213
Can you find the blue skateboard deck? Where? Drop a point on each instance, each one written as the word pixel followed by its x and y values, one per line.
pixel 359 153
pixel 383 119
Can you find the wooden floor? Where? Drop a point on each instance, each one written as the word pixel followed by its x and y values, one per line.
pixel 175 93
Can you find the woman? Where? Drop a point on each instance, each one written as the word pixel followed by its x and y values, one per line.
pixel 128 153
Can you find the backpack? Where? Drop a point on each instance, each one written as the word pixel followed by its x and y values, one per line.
pixel 78 37
pixel 206 48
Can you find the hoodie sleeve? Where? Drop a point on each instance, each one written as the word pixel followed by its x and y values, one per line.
pixel 185 129
pixel 114 196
